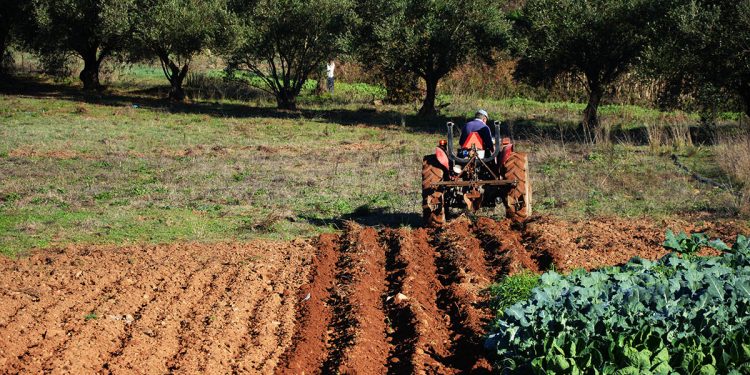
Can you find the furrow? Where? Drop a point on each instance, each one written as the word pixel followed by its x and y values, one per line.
pixel 463 276
pixel 154 338
pixel 370 348
pixel 113 317
pixel 402 328
pixel 48 279
pixel 193 329
pixel 59 320
pixel 421 285
pixel 263 331
pixel 504 251
pixel 343 324
pixel 314 313
pixel 152 309
pixel 233 327
pixel 295 272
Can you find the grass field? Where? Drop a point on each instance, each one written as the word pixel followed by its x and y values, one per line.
pixel 127 167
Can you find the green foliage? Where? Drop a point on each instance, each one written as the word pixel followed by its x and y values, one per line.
pixel 689 245
pixel 12 14
pixel 283 42
pixel 702 50
pixel 676 315
pixel 91 316
pixel 428 39
pixel 512 289
pixel 175 31
pixel 93 30
pixel 599 40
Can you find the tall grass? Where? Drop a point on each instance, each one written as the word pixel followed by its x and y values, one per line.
pixel 672 130
pixel 733 157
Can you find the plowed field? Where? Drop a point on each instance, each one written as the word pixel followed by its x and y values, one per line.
pixel 369 301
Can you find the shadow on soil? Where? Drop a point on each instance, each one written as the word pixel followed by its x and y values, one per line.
pixel 378 217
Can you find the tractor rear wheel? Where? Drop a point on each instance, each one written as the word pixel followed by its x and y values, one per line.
pixel 433 202
pixel 518 200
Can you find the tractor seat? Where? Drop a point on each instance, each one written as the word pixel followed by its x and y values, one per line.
pixel 472 140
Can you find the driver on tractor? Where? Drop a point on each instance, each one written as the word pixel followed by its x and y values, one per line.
pixel 478 125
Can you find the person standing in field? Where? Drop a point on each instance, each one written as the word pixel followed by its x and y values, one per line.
pixel 329 72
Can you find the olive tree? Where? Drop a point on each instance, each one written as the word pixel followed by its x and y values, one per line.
pixel 598 40
pixel 281 42
pixel 174 31
pixel 92 29
pixel 703 49
pixel 13 11
pixel 430 38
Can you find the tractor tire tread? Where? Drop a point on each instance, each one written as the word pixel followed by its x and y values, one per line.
pixel 519 198
pixel 433 203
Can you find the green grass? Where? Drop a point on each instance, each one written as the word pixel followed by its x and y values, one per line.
pixel 512 289
pixel 86 173
pixel 135 169
pixel 622 180
pixel 91 316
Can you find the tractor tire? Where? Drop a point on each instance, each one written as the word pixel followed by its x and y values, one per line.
pixel 518 199
pixel 433 202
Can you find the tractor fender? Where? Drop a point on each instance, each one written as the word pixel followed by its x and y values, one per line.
pixel 507 150
pixel 442 157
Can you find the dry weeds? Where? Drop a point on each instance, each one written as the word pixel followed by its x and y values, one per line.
pixel 733 157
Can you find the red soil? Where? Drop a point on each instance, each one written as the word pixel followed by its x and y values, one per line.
pixel 365 301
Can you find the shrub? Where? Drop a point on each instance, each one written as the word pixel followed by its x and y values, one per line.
pixel 204 86
pixel 685 315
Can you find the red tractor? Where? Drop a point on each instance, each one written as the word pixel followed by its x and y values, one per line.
pixel 468 178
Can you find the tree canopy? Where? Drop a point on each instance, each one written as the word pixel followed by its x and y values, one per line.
pixel 92 29
pixel 283 41
pixel 12 12
pixel 174 31
pixel 699 47
pixel 430 38
pixel 704 50
pixel 598 39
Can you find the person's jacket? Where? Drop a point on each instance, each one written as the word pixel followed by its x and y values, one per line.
pixel 480 127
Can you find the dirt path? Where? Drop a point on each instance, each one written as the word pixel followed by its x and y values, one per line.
pixel 364 301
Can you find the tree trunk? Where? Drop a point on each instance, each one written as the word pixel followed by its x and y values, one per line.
pixel 177 93
pixel 590 116
pixel 320 86
pixel 175 75
pixel 428 106
pixel 90 73
pixel 286 99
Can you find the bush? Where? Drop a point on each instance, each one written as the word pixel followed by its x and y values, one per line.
pixel 686 315
pixel 204 86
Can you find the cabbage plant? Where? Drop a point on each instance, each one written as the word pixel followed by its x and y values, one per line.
pixel 679 315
